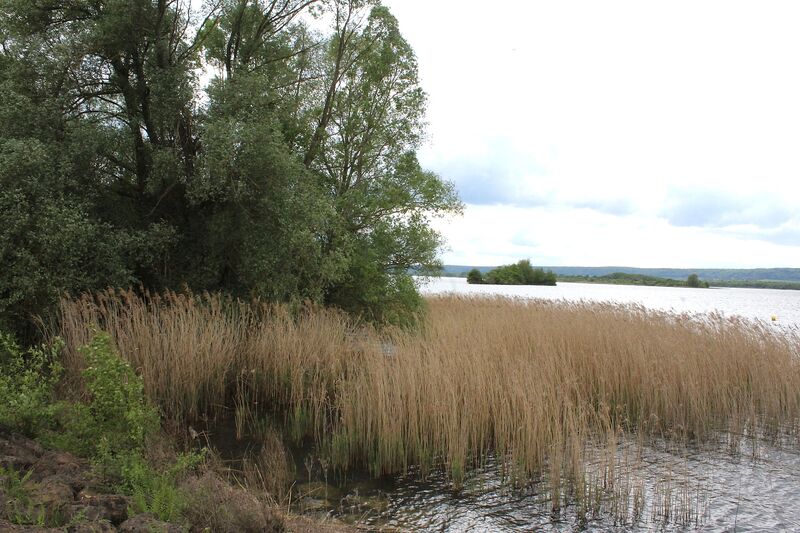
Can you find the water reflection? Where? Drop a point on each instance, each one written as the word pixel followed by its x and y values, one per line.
pixel 704 488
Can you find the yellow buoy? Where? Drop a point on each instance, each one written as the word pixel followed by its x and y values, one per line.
pixel 774 318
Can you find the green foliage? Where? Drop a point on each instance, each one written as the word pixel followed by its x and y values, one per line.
pixel 112 429
pixel 26 385
pixel 119 412
pixel 117 419
pixel 156 491
pixel 694 281
pixel 17 506
pixel 272 182
pixel 520 273
pixel 474 276
pixel 622 278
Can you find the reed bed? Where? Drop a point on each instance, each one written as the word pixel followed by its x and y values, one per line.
pixel 542 385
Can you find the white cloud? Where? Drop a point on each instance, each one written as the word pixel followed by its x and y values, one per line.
pixel 492 235
pixel 615 106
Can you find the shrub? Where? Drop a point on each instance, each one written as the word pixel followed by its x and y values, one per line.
pixel 694 281
pixel 119 411
pixel 117 420
pixel 27 379
pixel 520 273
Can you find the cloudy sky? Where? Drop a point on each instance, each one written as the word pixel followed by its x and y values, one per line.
pixel 637 133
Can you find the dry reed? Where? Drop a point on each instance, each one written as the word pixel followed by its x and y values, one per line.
pixel 537 383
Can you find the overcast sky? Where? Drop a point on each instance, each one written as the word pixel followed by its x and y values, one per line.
pixel 614 133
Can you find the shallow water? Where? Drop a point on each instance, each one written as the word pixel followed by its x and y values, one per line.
pixel 707 490
pixel 760 304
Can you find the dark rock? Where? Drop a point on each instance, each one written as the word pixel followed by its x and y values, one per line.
pixel 50 495
pixel 63 464
pixel 94 507
pixel 99 526
pixel 18 452
pixel 147 523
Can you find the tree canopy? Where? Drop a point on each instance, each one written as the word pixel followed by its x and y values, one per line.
pixel 519 273
pixel 291 174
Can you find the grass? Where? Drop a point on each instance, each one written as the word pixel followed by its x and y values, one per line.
pixel 542 385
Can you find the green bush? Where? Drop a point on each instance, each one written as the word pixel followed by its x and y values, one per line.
pixel 119 411
pixel 474 276
pixel 27 379
pixel 112 428
pixel 117 418
pixel 520 273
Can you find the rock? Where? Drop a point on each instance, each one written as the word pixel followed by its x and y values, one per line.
pixel 99 526
pixel 51 495
pixel 63 464
pixel 318 489
pixel 147 523
pixel 94 507
pixel 360 504
pixel 18 452
pixel 310 505
pixel 6 526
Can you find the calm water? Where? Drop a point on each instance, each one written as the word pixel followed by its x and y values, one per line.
pixel 759 304
pixel 720 491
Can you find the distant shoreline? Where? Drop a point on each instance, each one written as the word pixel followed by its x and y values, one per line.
pixel 664 282
pixel 723 277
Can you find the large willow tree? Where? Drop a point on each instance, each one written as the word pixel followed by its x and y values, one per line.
pixel 289 174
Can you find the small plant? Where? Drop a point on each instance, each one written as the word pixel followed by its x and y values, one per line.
pixel 16 505
pixel 155 491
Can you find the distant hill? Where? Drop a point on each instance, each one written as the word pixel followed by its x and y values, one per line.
pixel 706 274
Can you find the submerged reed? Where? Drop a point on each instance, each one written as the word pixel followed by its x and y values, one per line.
pixel 540 384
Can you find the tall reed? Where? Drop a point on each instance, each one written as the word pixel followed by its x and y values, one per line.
pixel 537 383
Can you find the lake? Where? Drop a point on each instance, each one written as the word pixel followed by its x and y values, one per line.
pixel 759 304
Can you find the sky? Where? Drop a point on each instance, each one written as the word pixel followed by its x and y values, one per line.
pixel 626 133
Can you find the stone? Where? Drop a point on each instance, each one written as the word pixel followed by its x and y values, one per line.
pixel 147 523
pixel 63 464
pixel 94 507
pixel 98 526
pixel 51 494
pixel 17 452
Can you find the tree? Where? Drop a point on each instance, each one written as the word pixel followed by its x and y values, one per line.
pixel 363 149
pixel 694 281
pixel 293 175
pixel 520 273
pixel 474 276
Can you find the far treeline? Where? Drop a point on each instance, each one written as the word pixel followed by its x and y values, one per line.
pixel 287 171
pixel 520 273
pixel 620 278
pixel 631 276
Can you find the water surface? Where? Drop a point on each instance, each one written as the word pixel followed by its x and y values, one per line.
pixel 760 304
